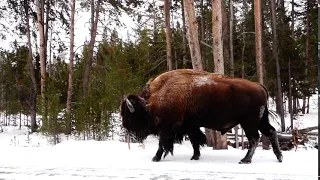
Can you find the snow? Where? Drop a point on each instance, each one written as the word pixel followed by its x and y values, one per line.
pixel 112 159
pixel 203 80
pixel 33 156
pixel 91 159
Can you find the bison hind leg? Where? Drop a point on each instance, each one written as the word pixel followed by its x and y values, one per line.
pixel 253 143
pixel 269 131
pixel 250 126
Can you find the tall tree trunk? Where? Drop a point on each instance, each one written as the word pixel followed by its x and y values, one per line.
pixel 318 62
pixel 40 12
pixel 192 31
pixel 184 38
pixel 290 94
pixel 217 36
pixel 202 33
pixel 231 39
pixel 46 30
pixel 50 53
pixel 232 63
pixel 168 33
pixel 245 11
pixel 225 36
pixel 294 97
pixel 259 54
pixel 307 37
pixel 33 98
pixel 276 57
pixel 307 54
pixel 258 39
pixel 220 141
pixel 242 54
pixel 289 68
pixel 308 104
pixel 93 32
pixel 71 57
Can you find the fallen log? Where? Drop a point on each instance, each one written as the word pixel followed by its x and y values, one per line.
pixel 313 134
pixel 233 144
pixel 305 130
pixel 286 141
pixel 284 137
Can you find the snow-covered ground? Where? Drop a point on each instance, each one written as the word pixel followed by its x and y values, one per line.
pixel 33 156
pixel 113 160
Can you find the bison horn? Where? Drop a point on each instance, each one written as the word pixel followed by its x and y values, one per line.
pixel 130 106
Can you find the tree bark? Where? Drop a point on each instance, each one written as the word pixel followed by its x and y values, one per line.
pixel 290 94
pixel 225 36
pixel 231 39
pixel 245 11
pixel 318 62
pixel 258 39
pixel 289 68
pixel 33 98
pixel 202 33
pixel 307 62
pixel 71 57
pixel 259 54
pixel 294 97
pixel 168 33
pixel 307 37
pixel 94 24
pixel 40 11
pixel 220 141
pixel 184 38
pixel 308 104
pixel 192 31
pixel 232 64
pixel 46 30
pixel 276 58
pixel 217 36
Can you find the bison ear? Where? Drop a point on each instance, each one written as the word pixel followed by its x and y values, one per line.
pixel 130 106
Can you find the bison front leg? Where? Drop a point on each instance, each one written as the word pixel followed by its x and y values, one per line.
pixel 197 138
pixel 165 146
pixel 159 153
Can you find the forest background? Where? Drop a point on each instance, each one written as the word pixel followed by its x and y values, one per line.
pixel 73 73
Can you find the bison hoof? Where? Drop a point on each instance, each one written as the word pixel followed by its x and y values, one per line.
pixel 280 158
pixel 156 159
pixel 245 161
pixel 195 157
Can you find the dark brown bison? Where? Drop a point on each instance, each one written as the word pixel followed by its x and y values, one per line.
pixel 179 102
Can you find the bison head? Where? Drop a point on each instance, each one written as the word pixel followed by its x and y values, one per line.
pixel 135 116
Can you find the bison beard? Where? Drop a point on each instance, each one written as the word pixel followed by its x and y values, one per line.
pixel 179 102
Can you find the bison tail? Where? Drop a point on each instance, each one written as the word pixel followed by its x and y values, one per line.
pixel 203 140
pixel 265 125
pixel 265 116
pixel 265 90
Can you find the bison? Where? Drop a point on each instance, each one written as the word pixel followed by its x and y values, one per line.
pixel 179 102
